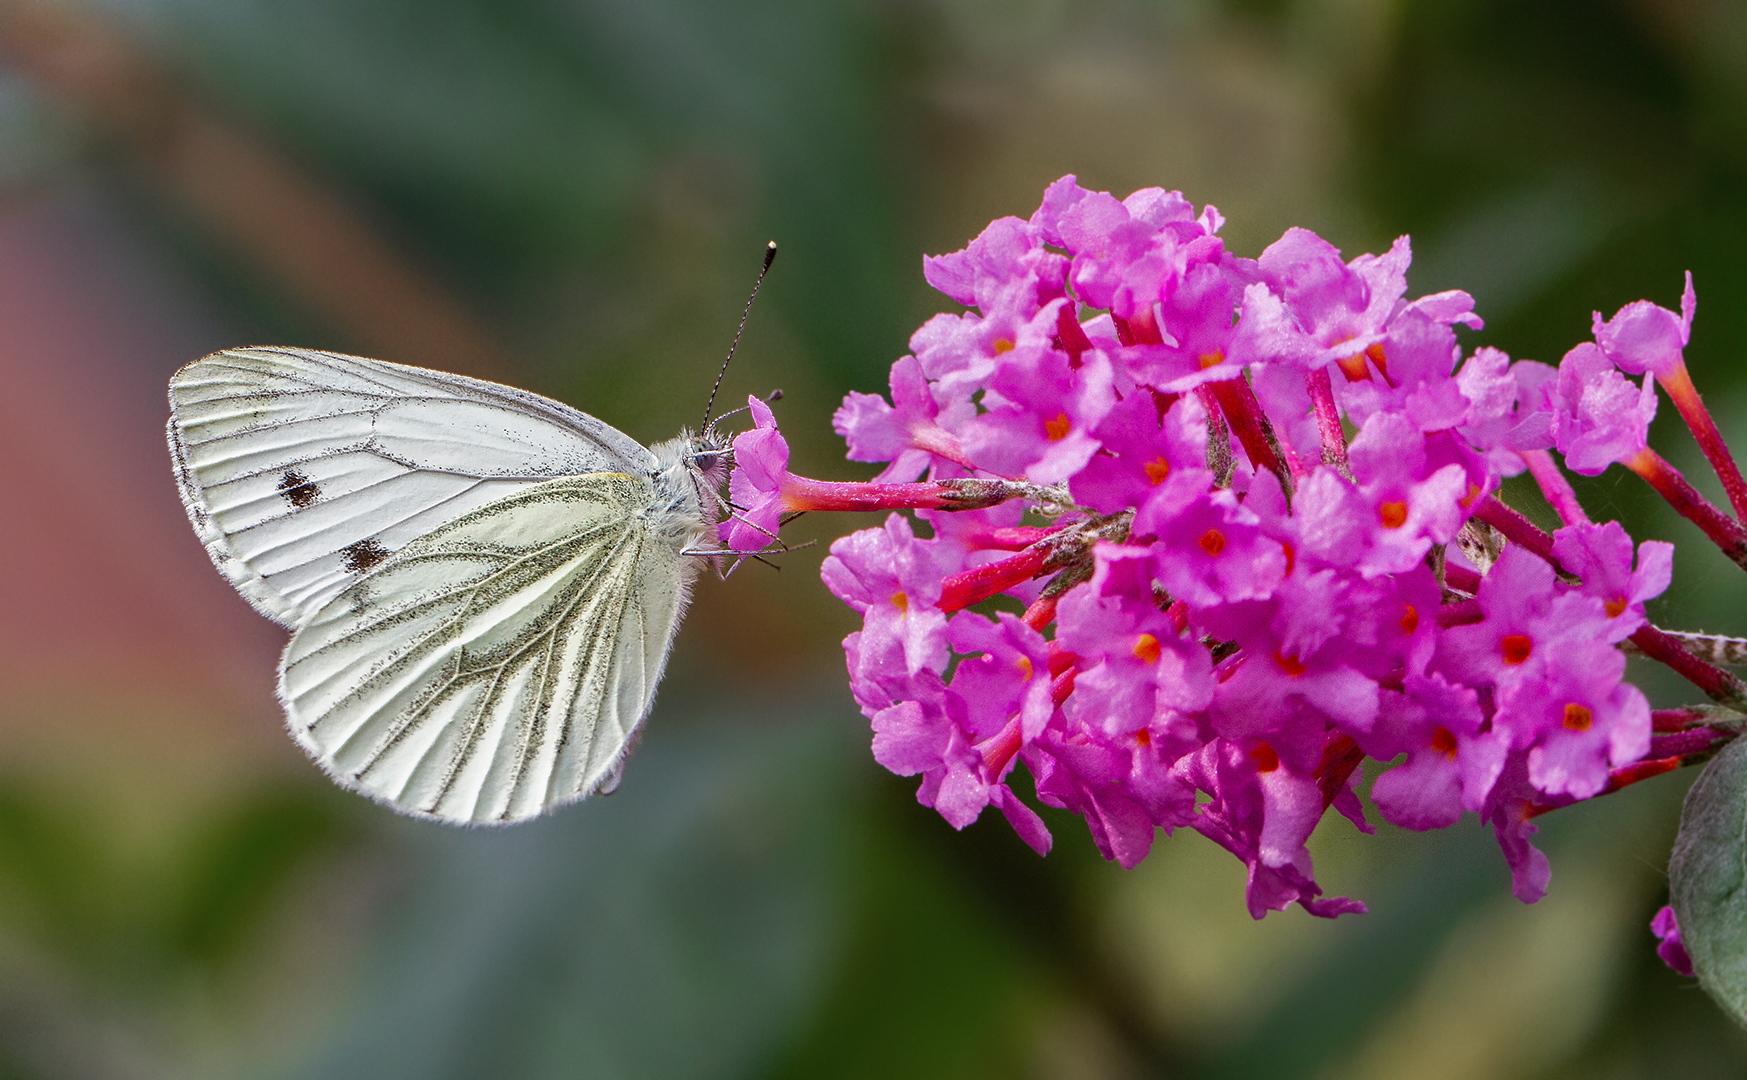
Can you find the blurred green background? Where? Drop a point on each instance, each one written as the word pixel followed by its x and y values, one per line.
pixel 573 196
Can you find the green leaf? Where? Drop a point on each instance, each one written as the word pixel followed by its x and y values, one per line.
pixel 1707 877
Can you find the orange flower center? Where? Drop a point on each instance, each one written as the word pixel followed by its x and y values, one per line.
pixel 1577 718
pixel 1058 429
pixel 1147 648
pixel 1409 618
pixel 1375 352
pixel 1212 541
pixel 1444 742
pixel 900 601
pixel 1266 759
pixel 1156 470
pixel 1209 359
pixel 1291 665
pixel 1393 515
pixel 1516 648
pixel 1615 606
pixel 1024 666
pixel 1002 345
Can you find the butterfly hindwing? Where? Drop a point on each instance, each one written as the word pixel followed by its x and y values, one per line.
pixel 498 665
pixel 302 469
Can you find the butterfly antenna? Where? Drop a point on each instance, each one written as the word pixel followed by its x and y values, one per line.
pixel 769 257
pixel 769 399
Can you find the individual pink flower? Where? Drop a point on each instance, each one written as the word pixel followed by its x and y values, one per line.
pixel 1570 709
pixel 1209 548
pixel 1671 948
pixel 1510 810
pixel 1642 337
pixel 1599 417
pixel 1525 616
pixel 1510 407
pixel 1212 324
pixel 1006 268
pixel 893 580
pixel 1041 414
pixel 1452 759
pixel 1002 677
pixel 1408 504
pixel 1288 698
pixel 1142 443
pixel 1261 812
pixel 1421 353
pixel 1601 557
pixel 1126 253
pixel 1136 669
pixel 911 433
pixel 761 465
pixel 1346 308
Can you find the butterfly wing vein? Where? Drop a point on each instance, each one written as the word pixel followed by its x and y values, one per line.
pixel 498 665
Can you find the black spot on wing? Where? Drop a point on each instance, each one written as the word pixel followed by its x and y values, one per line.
pixel 363 555
pixel 298 489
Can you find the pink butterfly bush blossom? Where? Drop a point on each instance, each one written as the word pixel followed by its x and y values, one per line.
pixel 1146 561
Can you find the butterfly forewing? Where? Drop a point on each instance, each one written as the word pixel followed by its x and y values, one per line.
pixel 302 469
pixel 501 663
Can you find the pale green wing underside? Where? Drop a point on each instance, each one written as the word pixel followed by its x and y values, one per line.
pixel 498 665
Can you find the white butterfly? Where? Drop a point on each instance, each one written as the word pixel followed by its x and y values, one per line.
pixel 482 583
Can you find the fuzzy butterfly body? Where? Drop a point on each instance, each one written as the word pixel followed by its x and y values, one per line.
pixel 482 584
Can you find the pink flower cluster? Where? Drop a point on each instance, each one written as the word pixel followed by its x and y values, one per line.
pixel 1158 573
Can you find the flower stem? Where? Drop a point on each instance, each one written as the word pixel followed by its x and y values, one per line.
pixel 1688 743
pixel 1011 538
pixel 1718 685
pixel 1460 613
pixel 1328 421
pixel 1460 577
pixel 801 493
pixel 939 442
pixel 1724 531
pixel 1041 613
pixel 1554 487
pixel 1238 402
pixel 1712 648
pixel 1071 334
pixel 1675 719
pixel 1219 460
pixel 1516 528
pixel 977 584
pixel 1685 396
pixel 1340 756
pixel 998 750
pixel 1062 686
pixel 1622 777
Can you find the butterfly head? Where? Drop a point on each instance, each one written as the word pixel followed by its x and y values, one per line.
pixel 709 455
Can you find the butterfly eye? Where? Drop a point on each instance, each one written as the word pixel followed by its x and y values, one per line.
pixel 705 460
